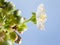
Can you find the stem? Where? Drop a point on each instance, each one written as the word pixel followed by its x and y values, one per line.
pixel 27 21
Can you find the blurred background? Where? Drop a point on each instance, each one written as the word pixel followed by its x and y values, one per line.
pixel 34 36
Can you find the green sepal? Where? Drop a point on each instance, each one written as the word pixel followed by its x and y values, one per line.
pixel 33 18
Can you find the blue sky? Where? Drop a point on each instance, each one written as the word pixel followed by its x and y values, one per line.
pixel 34 36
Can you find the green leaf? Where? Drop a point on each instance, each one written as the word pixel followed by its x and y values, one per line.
pixel 22 27
pixel 13 35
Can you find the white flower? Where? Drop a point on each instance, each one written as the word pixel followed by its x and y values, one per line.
pixel 41 17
